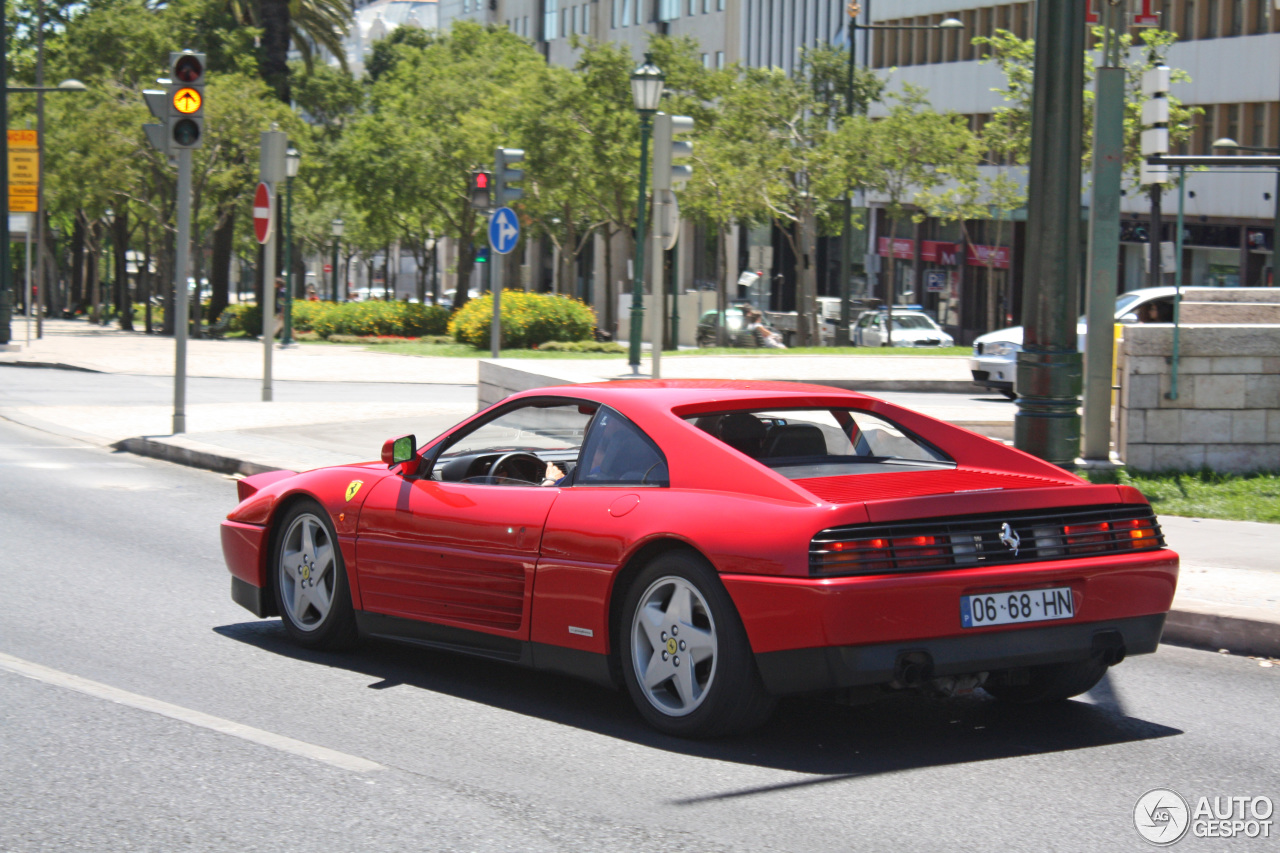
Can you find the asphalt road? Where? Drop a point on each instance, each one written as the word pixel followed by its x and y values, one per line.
pixel 201 728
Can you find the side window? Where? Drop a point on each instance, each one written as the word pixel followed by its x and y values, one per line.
pixel 617 453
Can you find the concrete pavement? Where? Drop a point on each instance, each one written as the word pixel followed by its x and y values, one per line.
pixel 1229 592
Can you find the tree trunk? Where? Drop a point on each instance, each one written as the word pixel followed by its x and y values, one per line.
pixel 807 281
pixel 891 286
pixel 722 285
pixel 220 266
pixel 273 58
pixel 610 297
pixel 145 279
pixel 121 241
pixel 77 265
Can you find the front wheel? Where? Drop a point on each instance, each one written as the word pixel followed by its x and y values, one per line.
pixel 1053 682
pixel 685 655
pixel 311 581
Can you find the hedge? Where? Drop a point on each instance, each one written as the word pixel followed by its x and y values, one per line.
pixel 361 319
pixel 528 320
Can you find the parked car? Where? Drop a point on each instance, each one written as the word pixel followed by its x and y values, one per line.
pixel 910 329
pixel 709 546
pixel 995 354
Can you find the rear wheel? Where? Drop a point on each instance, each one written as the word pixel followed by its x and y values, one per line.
pixel 1052 682
pixel 686 659
pixel 311 581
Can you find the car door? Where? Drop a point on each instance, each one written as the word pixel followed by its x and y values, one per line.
pixel 463 553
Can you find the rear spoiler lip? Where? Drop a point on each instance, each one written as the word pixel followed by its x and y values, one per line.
pixel 249 486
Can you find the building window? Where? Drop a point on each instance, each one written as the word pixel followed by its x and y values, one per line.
pixel 1212 11
pixel 1259 123
pixel 719 59
pixel 706 60
pixel 551 20
pixel 586 20
pixel 626 12
pixel 1237 18
pixel 719 5
pixel 1233 121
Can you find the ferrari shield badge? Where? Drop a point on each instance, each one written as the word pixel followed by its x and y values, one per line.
pixel 353 487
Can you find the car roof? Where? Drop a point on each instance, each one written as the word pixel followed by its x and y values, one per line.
pixel 666 394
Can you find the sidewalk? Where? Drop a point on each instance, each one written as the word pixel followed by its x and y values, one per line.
pixel 1229 591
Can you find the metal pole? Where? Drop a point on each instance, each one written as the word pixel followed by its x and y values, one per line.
pixel 1275 235
pixel 637 282
pixel 180 307
pixel 41 296
pixel 495 286
pixel 1154 243
pixel 1104 240
pixel 6 295
pixel 271 168
pixel 658 309
pixel 26 298
pixel 335 268
pixel 1047 423
pixel 1177 283
pixel 287 336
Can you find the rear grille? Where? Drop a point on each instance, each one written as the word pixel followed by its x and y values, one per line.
pixel 983 540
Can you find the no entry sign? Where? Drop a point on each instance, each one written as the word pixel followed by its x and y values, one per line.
pixel 262 213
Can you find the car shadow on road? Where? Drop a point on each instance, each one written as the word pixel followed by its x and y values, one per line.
pixel 899 732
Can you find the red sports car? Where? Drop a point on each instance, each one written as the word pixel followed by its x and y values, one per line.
pixel 712 546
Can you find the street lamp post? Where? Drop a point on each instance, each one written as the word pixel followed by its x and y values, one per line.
pixel 1229 143
pixel 291 160
pixel 846 243
pixel 337 236
pixel 646 91
pixel 6 290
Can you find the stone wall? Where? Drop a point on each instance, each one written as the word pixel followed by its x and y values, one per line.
pixel 1227 413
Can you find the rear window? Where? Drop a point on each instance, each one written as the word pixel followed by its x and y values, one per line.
pixel 803 443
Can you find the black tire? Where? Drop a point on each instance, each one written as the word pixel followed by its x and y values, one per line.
pixel 307 571
pixel 725 693
pixel 1053 682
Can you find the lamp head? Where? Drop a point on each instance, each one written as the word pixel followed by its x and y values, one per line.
pixel 292 159
pixel 338 227
pixel 646 86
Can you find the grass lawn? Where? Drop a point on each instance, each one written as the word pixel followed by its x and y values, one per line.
pixel 1205 494
pixel 465 351
pixel 876 351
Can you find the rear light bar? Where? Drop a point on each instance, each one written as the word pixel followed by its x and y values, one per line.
pixel 987 540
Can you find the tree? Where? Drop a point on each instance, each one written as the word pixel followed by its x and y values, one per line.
pixel 911 152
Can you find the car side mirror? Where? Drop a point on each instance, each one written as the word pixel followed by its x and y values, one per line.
pixel 399 450
pixel 1131 317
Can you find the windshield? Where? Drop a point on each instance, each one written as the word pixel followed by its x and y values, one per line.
pixel 531 429
pixel 913 321
pixel 802 443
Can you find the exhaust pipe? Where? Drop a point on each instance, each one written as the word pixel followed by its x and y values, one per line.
pixel 1108 647
pixel 913 669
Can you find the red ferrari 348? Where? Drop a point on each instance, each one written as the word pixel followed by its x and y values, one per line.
pixel 712 546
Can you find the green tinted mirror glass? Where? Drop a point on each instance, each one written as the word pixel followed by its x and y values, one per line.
pixel 402 450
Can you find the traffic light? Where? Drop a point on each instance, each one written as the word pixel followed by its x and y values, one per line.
pixel 186 100
pixel 665 149
pixel 482 254
pixel 481 189
pixel 506 176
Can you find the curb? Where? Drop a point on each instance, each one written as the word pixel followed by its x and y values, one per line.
pixel 49 365
pixel 190 457
pixel 1213 632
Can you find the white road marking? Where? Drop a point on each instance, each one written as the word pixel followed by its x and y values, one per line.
pixel 186 715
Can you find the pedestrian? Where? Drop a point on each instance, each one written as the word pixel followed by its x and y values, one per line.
pixel 764 336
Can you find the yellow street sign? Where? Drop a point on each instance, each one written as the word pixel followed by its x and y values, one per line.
pixel 23 139
pixel 186 100
pixel 24 167
pixel 22 199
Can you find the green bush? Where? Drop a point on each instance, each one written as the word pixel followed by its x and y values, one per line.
pixel 361 319
pixel 582 346
pixel 528 320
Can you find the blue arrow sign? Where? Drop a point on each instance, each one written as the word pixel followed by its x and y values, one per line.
pixel 504 230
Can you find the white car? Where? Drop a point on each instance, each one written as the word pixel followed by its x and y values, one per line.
pixel 910 329
pixel 995 355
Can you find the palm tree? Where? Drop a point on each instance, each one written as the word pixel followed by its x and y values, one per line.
pixel 322 23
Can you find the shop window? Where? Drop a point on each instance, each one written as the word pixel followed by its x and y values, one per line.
pixel 1236 26
pixel 1213 11
pixel 1187 25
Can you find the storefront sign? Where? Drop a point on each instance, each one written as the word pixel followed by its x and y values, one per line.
pixel 996 256
pixel 904 249
pixel 938 252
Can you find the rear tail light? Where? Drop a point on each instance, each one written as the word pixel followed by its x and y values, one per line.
pixel 1086 538
pixel 1141 532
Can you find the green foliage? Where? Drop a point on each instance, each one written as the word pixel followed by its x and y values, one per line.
pixel 528 320
pixel 582 346
pixel 327 319
pixel 1204 494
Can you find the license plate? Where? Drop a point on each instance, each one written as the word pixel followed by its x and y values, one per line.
pixel 1008 608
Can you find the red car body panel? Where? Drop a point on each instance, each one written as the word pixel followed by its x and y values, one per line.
pixel 540 565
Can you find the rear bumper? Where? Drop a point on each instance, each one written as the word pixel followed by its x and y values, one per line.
pixel 835 667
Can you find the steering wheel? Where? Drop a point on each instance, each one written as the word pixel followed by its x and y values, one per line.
pixel 518 465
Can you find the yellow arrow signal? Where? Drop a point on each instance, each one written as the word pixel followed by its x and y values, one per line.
pixel 186 100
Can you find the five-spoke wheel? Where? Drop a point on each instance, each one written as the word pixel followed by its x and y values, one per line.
pixel 685 656
pixel 310 582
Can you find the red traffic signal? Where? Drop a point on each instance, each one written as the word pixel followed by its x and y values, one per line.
pixel 480 189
